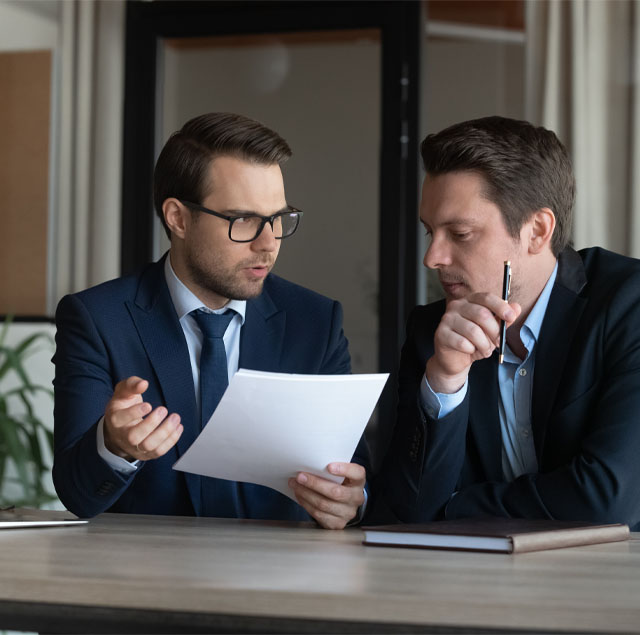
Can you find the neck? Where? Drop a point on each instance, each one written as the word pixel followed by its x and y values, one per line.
pixel 210 299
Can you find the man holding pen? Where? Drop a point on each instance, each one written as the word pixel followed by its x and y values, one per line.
pixel 553 431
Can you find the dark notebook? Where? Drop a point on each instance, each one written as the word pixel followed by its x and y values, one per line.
pixel 505 535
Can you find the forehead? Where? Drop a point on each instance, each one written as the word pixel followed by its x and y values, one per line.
pixel 456 197
pixel 238 184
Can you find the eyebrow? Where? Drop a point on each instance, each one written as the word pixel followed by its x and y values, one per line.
pixel 244 212
pixel 456 221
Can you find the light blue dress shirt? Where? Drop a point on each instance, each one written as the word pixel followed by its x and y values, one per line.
pixel 515 380
pixel 184 302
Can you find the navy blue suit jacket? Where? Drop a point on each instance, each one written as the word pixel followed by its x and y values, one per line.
pixel 585 413
pixel 129 327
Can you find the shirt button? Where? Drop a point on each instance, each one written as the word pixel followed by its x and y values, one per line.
pixel 522 372
pixel 525 432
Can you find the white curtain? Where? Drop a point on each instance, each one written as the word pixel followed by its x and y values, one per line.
pixel 87 204
pixel 582 71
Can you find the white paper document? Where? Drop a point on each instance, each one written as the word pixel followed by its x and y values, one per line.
pixel 270 426
pixel 26 518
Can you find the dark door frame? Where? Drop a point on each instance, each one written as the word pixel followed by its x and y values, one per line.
pixel 401 28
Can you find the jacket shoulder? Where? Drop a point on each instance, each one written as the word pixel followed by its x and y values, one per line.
pixel 107 295
pixel 288 294
pixel 609 273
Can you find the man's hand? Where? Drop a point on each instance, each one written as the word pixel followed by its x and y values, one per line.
pixel 331 504
pixel 468 331
pixel 132 430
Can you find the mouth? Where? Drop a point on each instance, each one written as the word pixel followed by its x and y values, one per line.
pixel 258 271
pixel 453 288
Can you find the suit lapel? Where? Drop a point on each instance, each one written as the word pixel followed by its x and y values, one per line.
pixel 484 419
pixel 163 339
pixel 262 335
pixel 556 336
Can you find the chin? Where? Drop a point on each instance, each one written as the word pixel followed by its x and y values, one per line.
pixel 246 293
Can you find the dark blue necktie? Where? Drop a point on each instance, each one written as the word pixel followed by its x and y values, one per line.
pixel 218 497
pixel 214 377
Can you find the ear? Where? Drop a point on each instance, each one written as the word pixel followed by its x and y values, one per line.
pixel 540 230
pixel 175 216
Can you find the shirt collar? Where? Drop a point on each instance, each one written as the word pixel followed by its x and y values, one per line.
pixel 186 301
pixel 530 330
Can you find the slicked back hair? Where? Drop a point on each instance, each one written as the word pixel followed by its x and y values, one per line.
pixel 182 167
pixel 524 167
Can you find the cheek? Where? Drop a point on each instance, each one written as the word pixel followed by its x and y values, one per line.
pixel 208 240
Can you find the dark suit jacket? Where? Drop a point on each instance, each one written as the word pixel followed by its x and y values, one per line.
pixel 585 413
pixel 129 327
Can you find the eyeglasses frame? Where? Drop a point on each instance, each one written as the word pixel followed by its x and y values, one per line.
pixel 265 219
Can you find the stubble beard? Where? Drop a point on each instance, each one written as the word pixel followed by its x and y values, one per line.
pixel 224 281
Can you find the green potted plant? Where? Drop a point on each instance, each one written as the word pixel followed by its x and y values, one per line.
pixel 26 443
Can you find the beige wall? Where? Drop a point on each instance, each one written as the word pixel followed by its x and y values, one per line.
pixel 28 38
pixel 25 86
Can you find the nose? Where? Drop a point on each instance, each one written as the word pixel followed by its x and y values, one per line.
pixel 266 241
pixel 437 254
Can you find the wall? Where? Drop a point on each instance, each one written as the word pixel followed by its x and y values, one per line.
pixel 30 29
pixel 28 39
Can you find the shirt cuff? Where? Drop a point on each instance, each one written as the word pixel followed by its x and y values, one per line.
pixel 438 405
pixel 116 463
pixel 361 510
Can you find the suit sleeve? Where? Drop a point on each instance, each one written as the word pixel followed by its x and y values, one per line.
pixel 598 481
pixel 337 361
pixel 425 456
pixel 83 385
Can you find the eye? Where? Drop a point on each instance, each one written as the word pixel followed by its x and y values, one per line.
pixel 461 236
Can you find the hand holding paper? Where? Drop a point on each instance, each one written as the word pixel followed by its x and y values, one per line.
pixel 331 504
pixel 271 427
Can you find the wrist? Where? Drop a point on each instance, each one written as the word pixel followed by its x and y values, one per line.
pixel 111 446
pixel 441 382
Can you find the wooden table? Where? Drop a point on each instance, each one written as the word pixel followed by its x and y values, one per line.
pixel 167 574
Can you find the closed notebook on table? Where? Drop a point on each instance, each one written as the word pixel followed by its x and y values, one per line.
pixel 505 535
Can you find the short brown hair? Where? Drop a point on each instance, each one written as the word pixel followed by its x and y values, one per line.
pixel 181 169
pixel 525 168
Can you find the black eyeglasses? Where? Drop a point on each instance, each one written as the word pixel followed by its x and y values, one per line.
pixel 247 227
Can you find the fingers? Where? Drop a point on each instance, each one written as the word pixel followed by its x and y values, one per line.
pixel 130 387
pixel 133 429
pixel 472 325
pixel 160 439
pixel 501 310
pixel 121 417
pixel 333 505
pixel 468 331
pixel 328 514
pixel 355 473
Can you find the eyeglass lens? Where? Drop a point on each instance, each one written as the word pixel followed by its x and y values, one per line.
pixel 248 228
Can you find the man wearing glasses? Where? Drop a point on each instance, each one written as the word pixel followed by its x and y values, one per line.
pixel 142 361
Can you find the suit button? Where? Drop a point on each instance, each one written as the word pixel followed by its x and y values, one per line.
pixel 106 487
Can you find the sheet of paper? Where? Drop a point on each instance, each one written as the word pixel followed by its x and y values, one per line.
pixel 270 426
pixel 22 519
